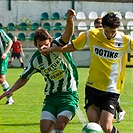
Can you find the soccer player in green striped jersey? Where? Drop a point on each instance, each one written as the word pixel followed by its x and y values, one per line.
pixel 60 74
pixel 5 46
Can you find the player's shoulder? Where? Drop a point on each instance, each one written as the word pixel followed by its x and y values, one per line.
pixel 96 30
pixel 123 35
pixel 18 41
pixel 2 32
pixel 35 55
pixel 58 41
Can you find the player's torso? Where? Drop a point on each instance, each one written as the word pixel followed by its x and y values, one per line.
pixel 58 70
pixel 106 64
pixel 16 47
pixel 48 65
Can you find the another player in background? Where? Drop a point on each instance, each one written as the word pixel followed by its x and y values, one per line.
pixel 60 74
pixel 98 22
pixel 119 110
pixel 105 81
pixel 5 45
pixel 16 51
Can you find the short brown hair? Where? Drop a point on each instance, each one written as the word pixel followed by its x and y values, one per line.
pixel 41 35
pixel 98 20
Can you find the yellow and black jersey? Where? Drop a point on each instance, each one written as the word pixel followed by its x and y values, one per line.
pixel 107 67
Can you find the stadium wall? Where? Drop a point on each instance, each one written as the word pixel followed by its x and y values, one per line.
pixel 33 9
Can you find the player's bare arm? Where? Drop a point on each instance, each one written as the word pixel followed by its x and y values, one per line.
pixel 65 48
pixel 18 84
pixel 69 29
pixel 7 50
pixel 22 52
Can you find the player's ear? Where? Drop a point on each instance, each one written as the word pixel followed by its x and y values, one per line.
pixel 35 44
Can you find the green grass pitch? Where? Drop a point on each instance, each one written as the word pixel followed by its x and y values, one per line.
pixel 24 115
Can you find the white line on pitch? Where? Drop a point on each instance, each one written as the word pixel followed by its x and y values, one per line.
pixel 81 117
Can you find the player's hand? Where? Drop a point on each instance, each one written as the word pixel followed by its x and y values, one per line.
pixel 3 55
pixel 70 14
pixel 45 49
pixel 6 94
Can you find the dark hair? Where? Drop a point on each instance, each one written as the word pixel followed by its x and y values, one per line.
pixel 98 20
pixel 41 35
pixel 111 20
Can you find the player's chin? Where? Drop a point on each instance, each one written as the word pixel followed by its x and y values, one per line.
pixel 45 53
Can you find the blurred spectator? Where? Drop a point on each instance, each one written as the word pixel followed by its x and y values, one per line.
pixel 98 22
pixel 16 51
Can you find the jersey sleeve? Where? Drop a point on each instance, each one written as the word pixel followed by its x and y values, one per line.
pixel 80 41
pixel 58 41
pixel 5 36
pixel 29 71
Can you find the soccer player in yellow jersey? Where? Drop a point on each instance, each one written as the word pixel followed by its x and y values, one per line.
pixel 119 111
pixel 104 84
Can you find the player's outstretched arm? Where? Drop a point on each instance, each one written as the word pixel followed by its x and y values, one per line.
pixel 69 29
pixel 65 48
pixel 18 84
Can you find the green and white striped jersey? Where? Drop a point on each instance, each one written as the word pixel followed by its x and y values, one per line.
pixel 4 40
pixel 58 69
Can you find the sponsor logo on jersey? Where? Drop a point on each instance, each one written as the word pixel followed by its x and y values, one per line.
pixel 53 66
pixel 105 53
pixel 57 74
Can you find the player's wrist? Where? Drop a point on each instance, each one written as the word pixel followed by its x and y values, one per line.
pixel 69 20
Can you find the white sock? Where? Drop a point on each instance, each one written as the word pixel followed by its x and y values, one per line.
pixel 10 99
pixel 5 86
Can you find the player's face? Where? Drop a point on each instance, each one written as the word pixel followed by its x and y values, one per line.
pixel 109 32
pixel 98 25
pixel 41 45
pixel 15 39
